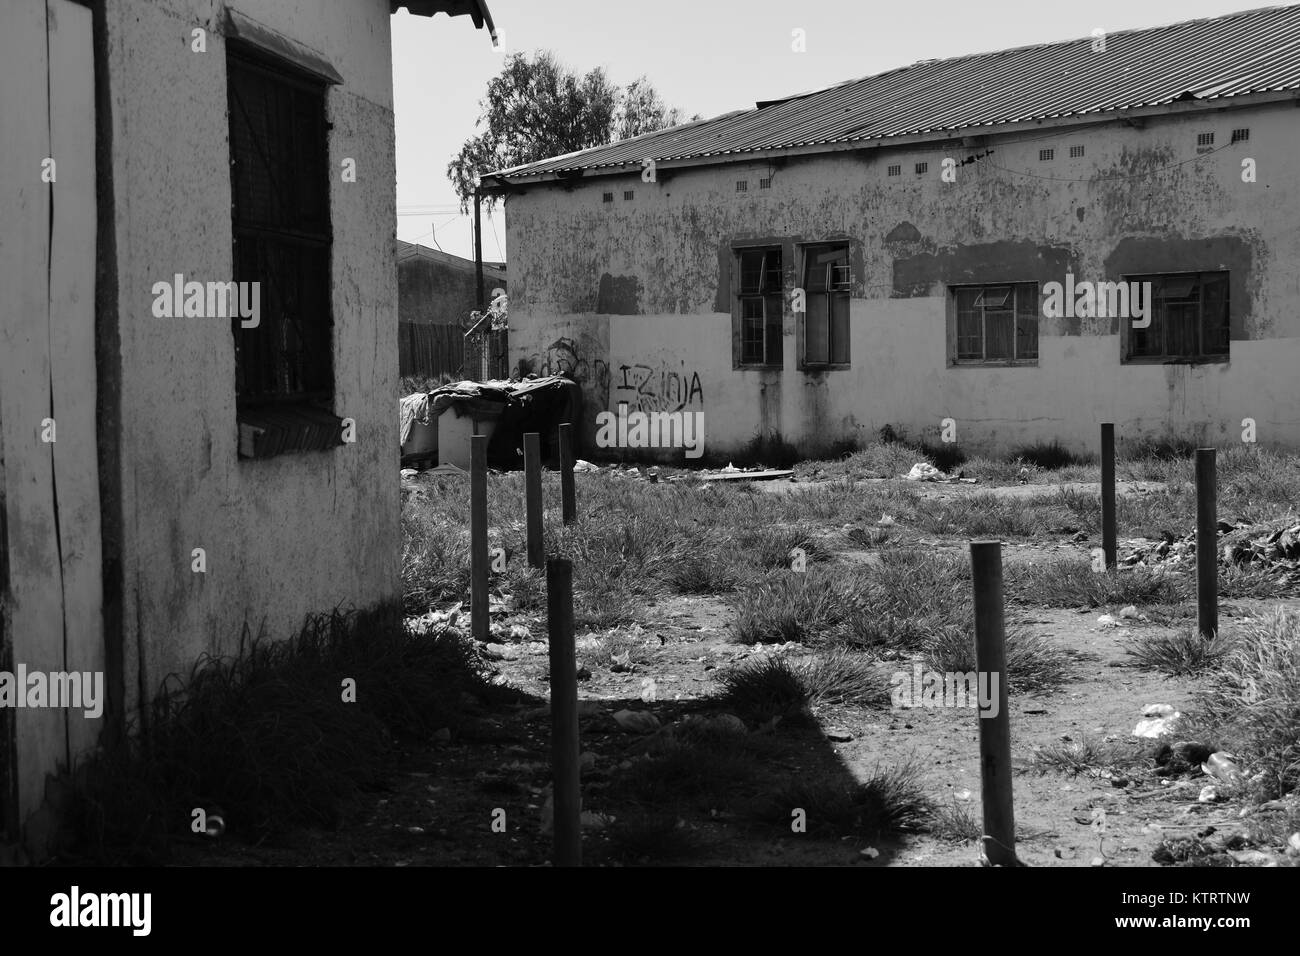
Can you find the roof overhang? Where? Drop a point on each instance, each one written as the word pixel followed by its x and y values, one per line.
pixel 501 182
pixel 477 10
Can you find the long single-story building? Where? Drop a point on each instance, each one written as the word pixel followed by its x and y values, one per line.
pixel 1004 248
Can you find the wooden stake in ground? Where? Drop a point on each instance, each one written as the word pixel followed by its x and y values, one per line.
pixel 1207 544
pixel 478 538
pixel 994 725
pixel 533 497
pixel 1108 494
pixel 568 495
pixel 564 713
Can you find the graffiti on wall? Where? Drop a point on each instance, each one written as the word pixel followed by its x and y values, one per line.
pixel 664 389
pixel 564 356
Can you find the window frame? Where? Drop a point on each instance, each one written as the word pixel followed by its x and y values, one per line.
pixel 1201 356
pixel 286 374
pixel 838 292
pixel 1022 294
pixel 767 297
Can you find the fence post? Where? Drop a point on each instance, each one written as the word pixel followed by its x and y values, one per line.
pixel 1108 495
pixel 568 494
pixel 566 790
pixel 478 538
pixel 999 836
pixel 533 497
pixel 1207 544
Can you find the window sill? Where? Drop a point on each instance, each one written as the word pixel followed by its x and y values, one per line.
pixel 829 367
pixel 970 363
pixel 758 367
pixel 1180 360
pixel 274 430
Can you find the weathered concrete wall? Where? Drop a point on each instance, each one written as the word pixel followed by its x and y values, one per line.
pixel 283 536
pixel 656 271
pixel 433 290
pixel 50 546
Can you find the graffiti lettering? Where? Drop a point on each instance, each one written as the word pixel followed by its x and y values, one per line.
pixel 665 390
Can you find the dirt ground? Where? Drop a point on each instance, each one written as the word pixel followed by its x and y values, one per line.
pixel 478 797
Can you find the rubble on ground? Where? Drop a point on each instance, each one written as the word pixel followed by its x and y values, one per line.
pixel 1269 546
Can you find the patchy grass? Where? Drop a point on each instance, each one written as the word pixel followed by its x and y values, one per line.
pixel 890 801
pixel 1089 756
pixel 776 685
pixel 266 735
pixel 1071 582
pixel 1181 654
pixel 1253 704
pixel 1034 664
pixel 954 823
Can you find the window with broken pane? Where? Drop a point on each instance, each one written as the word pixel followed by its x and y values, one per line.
pixel 1189 318
pixel 827 284
pixel 281 228
pixel 997 324
pixel 760 305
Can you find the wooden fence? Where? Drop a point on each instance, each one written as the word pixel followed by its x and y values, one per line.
pixel 430 350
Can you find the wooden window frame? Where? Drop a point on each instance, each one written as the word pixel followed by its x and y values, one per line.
pixel 769 294
pixel 1164 282
pixel 991 297
pixel 837 288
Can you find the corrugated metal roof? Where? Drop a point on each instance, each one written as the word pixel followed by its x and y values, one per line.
pixel 1255 51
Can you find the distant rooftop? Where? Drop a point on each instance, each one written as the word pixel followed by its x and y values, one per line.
pixel 1210 61
pixel 407 250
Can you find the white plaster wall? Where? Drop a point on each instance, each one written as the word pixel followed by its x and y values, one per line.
pixel 660 252
pixel 284 536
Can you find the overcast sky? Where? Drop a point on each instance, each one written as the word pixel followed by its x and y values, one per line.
pixel 705 56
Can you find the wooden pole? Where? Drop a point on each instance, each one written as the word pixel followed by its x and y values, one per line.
pixel 1108 495
pixel 1207 544
pixel 568 494
pixel 478 538
pixel 533 497
pixel 564 713
pixel 994 725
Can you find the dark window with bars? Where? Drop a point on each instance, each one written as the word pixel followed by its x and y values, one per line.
pixel 281 227
pixel 761 305
pixel 1189 318
pixel 827 283
pixel 922 168
pixel 1076 152
pixel 997 324
pixel 895 170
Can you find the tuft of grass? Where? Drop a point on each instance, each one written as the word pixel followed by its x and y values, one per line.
pixel 777 685
pixel 890 801
pixel 954 823
pixel 1253 703
pixel 1050 456
pixel 1072 582
pixel 1033 662
pixel 1089 756
pixel 788 606
pixel 1180 654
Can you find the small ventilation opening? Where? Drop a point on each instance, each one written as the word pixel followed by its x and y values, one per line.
pixel 922 168
pixel 896 170
pixel 765 183
pixel 1076 152
pixel 608 197
pixel 1204 139
pixel 1240 135
pixel 742 185
pixel 1046 155
pixel 628 194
